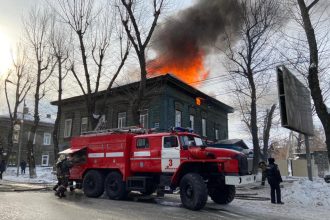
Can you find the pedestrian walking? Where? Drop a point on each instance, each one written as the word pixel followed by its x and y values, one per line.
pixel 263 167
pixel 274 179
pixel 2 168
pixel 23 166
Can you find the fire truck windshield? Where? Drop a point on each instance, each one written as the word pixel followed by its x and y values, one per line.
pixel 190 140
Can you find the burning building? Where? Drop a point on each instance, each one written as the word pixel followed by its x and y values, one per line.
pixel 169 102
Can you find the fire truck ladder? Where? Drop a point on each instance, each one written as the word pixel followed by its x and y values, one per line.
pixel 130 129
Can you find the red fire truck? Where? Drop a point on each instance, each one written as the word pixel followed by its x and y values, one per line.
pixel 120 162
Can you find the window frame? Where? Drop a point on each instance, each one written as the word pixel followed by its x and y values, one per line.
pixel 145 118
pixel 50 138
pixel 204 127
pixel 81 124
pixel 121 120
pixel 146 144
pixel 217 137
pixel 42 160
pixel 171 136
pixel 67 132
pixel 192 122
pixel 178 123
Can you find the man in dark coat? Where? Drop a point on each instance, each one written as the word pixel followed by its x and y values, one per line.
pixel 2 168
pixel 274 180
pixel 23 166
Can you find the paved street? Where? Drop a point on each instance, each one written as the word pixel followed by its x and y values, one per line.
pixel 37 201
pixel 44 205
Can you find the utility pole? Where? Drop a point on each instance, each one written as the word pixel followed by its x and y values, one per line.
pixel 20 139
pixel 308 157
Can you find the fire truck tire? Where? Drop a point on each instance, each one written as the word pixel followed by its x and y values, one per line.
pixel 93 184
pixel 223 195
pixel 193 191
pixel 114 186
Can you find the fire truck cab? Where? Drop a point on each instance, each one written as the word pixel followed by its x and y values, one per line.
pixel 117 163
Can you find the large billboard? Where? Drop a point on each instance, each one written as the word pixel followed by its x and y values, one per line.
pixel 295 102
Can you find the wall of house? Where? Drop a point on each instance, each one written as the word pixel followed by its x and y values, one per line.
pixel 160 105
pixel 216 118
pixel 39 148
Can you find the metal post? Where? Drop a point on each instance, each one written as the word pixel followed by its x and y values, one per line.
pixel 308 156
pixel 20 140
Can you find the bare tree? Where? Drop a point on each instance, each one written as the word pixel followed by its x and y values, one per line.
pixel 36 27
pixel 268 122
pixel 140 36
pixel 96 26
pixel 60 42
pixel 313 68
pixel 19 77
pixel 250 59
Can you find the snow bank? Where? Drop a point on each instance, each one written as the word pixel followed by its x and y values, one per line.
pixel 44 175
pixel 308 193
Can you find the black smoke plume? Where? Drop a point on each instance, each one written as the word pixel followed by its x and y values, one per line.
pixel 195 30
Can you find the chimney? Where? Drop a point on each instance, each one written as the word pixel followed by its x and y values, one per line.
pixel 48 116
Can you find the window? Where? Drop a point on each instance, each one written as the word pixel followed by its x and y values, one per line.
pixel 67 127
pixel 216 134
pixel 171 141
pixel 142 143
pixel 44 160
pixel 177 118
pixel 121 119
pixel 192 119
pixel 34 138
pixel 84 125
pixel 144 120
pixel 191 141
pixel 47 138
pixel 204 127
pixel 16 136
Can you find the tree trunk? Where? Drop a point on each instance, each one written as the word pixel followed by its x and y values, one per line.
pixel 59 110
pixel 268 125
pixel 313 80
pixel 254 126
pixel 10 143
pixel 327 139
pixel 30 147
pixel 30 150
pixel 136 107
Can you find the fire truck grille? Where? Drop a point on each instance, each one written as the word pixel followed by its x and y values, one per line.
pixel 243 164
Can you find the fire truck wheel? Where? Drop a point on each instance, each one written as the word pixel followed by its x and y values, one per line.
pixel 93 185
pixel 115 187
pixel 223 195
pixel 193 191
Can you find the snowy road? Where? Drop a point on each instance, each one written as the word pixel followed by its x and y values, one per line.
pixel 44 205
pixel 303 200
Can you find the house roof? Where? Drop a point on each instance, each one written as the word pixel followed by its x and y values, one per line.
pixel 29 119
pixel 168 78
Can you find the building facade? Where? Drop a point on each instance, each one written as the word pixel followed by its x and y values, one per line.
pixel 43 143
pixel 168 102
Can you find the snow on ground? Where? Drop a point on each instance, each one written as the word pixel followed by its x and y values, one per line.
pixel 44 175
pixel 303 199
pixel 307 193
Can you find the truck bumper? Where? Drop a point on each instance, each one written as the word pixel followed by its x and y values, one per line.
pixel 240 180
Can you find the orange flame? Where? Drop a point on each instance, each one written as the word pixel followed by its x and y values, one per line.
pixel 189 68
